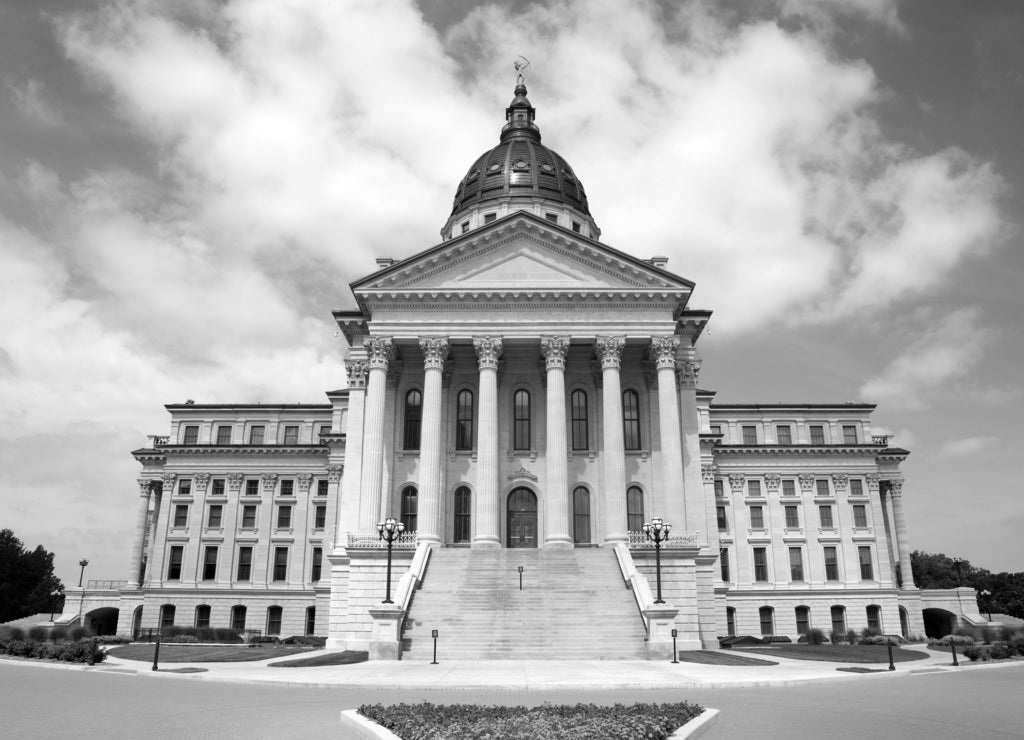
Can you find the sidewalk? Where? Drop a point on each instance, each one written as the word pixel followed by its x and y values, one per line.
pixel 532 675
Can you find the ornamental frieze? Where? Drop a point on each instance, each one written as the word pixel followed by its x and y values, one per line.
pixel 522 473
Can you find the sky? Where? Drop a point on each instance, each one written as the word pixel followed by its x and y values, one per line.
pixel 188 188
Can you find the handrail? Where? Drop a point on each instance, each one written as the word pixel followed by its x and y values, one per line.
pixel 412 577
pixel 636 581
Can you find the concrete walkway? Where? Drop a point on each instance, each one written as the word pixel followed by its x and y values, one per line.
pixel 534 675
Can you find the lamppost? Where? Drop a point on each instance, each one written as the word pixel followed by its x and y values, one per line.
pixel 958 563
pixel 83 562
pixel 985 594
pixel 657 532
pixel 389 530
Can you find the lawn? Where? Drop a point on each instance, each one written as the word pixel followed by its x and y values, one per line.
pixel 206 653
pixel 837 653
pixel 720 657
pixel 344 657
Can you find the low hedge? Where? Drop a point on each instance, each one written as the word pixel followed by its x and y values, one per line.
pixel 547 722
pixel 958 640
pixel 83 651
pixel 996 651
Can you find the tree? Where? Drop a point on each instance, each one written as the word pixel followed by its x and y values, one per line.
pixel 27 583
pixel 939 571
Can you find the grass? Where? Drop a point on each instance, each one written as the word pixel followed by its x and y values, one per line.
pixel 720 657
pixel 204 653
pixel 345 657
pixel 839 653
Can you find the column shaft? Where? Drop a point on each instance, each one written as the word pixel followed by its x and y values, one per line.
pixel 488 507
pixel 556 510
pixel 896 495
pixel 380 351
pixel 435 351
pixel 664 351
pixel 346 500
pixel 138 543
pixel 613 456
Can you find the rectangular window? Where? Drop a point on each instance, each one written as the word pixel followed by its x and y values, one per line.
pixel 320 517
pixel 792 517
pixel 754 488
pixel 464 420
pixel 831 564
pixel 321 488
pixel 825 517
pixel 631 419
pixel 210 564
pixel 238 617
pixel 723 559
pixel 203 616
pixel 291 435
pixel 716 428
pixel 788 488
pixel 174 563
pixel 181 515
pixel 213 521
pixel 287 487
pixel 166 616
pixel 796 564
pixel 849 434
pixel 730 621
pixel 634 509
pixel 860 516
pixel 757 517
pixel 280 563
pixel 464 227
pixel 318 556
pixel 223 435
pixel 803 620
pixel 817 434
pixel 274 620
pixel 489 217
pixel 249 516
pixel 874 618
pixel 191 436
pixel 719 488
pixel 723 523
pixel 244 563
pixel 784 434
pixel 324 429
pixel 576 226
pixel 749 435
pixel 553 217
pixel 256 435
pixel 767 617
pixel 218 487
pixel 821 486
pixel 760 564
pixel 310 620
pixel 838 621
pixel 252 487
pixel 521 420
pixel 867 572
pixel 856 487
pixel 185 487
pixel 284 517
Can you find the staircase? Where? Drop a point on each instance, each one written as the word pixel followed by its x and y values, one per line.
pixel 574 606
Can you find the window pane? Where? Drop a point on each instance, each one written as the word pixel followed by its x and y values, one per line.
pixel 464 421
pixel 287 487
pixel 792 517
pixel 216 512
pixel 413 411
pixel 252 488
pixel 210 564
pixel 760 564
pixel 174 563
pixel 634 509
pixel 631 419
pixel 866 570
pixel 521 420
pixel 244 563
pixel 321 488
pixel 723 558
pixel 767 616
pixel 248 516
pixel 409 509
pixel 796 564
pixel 825 514
pixel 274 620
pixel 756 517
pixel 318 556
pixel 750 435
pixel 754 488
pixel 185 487
pixel 822 488
pixel 581 515
pixel 849 435
pixel 860 516
pixel 788 488
pixel 291 435
pixel 218 487
pixel 580 432
pixel 856 487
pixel 256 435
pixel 181 515
pixel 166 616
pixel 320 517
pixel 874 618
pixel 238 617
pixel 803 620
pixel 730 621
pixel 784 435
pixel 723 522
pixel 191 435
pixel 831 564
pixel 817 435
pixel 223 435
pixel 203 616
pixel 839 621
pixel 284 517
pixel 719 487
pixel 310 620
pixel 280 563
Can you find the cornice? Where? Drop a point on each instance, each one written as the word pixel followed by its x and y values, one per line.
pixel 317 449
pixel 865 450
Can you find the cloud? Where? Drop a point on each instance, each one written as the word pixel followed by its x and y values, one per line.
pixel 28 98
pixel 966 446
pixel 942 354
pixel 904 437
pixel 823 13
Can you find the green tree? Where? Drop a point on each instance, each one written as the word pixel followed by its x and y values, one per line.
pixel 27 582
pixel 940 571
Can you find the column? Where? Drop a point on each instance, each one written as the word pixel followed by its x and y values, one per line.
pixel 896 496
pixel 556 497
pixel 380 350
pixel 699 513
pixel 435 352
pixel 613 454
pixel 135 566
pixel 886 570
pixel 488 505
pixel 663 351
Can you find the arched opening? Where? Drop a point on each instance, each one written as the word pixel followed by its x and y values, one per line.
pixel 803 620
pixel 102 621
pixel 462 531
pixel 939 622
pixel 136 622
pixel 409 509
pixel 581 516
pixel 730 621
pixel 766 615
pixel 310 620
pixel 522 518
pixel 904 622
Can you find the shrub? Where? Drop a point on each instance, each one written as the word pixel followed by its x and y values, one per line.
pixel 835 637
pixel 958 640
pixel 870 632
pixel 113 640
pixel 1016 644
pixel 58 634
pixel 851 637
pixel 77 633
pixel 815 637
pixel 973 652
pixel 16 633
pixel 986 634
pixel 999 651
pixel 37 633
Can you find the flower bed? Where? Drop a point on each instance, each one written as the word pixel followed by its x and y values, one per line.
pixel 547 722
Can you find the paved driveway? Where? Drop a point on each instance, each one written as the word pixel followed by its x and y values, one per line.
pixel 43 702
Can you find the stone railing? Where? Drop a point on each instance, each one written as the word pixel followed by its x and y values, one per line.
pixel 637 582
pixel 105 585
pixel 881 440
pixel 155 440
pixel 412 577
pixel 405 541
pixel 639 541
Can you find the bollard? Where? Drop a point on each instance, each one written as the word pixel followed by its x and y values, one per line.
pixel 675 653
pixel 520 578
pixel 433 633
pixel 892 666
pixel 156 652
pixel 952 647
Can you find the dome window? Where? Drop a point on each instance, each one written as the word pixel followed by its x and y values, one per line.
pixel 489 217
pixel 552 217
pixel 494 168
pixel 521 164
pixel 473 175
pixel 546 167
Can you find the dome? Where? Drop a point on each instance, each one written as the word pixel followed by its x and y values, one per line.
pixel 520 173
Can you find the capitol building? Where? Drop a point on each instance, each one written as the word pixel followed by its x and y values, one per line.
pixel 523 398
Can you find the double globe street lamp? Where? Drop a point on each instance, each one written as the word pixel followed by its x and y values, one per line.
pixel 389 530
pixel 657 532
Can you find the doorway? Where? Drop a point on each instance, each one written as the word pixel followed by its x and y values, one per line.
pixel 581 516
pixel 522 518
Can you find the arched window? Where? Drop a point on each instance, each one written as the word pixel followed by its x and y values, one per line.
pixel 838 623
pixel 631 419
pixel 730 621
pixel 464 420
pixel 767 615
pixel 803 620
pixel 463 503
pixel 581 516
pixel 521 420
pixel 238 617
pixel 203 616
pixel 166 616
pixel 274 620
pixel 580 435
pixel 413 412
pixel 310 620
pixel 409 509
pixel 634 509
pixel 875 618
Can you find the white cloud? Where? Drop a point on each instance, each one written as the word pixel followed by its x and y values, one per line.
pixel 824 12
pixel 943 353
pixel 966 446
pixel 29 100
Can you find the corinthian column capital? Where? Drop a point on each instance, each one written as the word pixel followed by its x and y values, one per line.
pixel 381 350
pixel 554 349
pixel 435 352
pixel 663 350
pixel 488 352
pixel 609 350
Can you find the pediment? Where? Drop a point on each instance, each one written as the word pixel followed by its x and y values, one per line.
pixel 522 255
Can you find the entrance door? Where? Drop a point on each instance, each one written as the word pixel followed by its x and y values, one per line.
pixel 581 516
pixel 522 518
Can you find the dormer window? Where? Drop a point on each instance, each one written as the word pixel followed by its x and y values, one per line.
pixel 464 226
pixel 577 226
pixel 490 217
pixel 553 217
